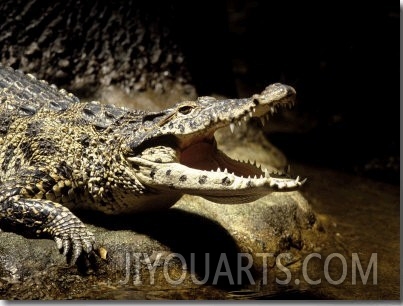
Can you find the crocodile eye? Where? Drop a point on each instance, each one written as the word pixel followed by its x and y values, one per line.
pixel 186 109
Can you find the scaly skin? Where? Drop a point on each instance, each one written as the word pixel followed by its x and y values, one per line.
pixel 58 154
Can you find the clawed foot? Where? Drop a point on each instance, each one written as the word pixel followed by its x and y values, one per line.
pixel 71 235
pixel 74 242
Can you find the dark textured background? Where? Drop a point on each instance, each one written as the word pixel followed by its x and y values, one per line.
pixel 342 58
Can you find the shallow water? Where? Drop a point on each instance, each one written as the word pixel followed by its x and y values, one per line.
pixel 364 218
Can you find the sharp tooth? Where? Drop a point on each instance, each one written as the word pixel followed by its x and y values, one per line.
pixel 218 169
pixel 251 114
pixel 245 118
pixel 297 180
pixel 232 127
pixel 272 110
pixel 239 123
pixel 255 177
pixel 225 170
pixel 262 120
pixel 253 109
pixel 267 117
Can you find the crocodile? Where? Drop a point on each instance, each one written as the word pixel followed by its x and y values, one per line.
pixel 58 155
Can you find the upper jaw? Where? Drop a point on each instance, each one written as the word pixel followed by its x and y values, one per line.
pixel 201 144
pixel 267 102
pixel 234 112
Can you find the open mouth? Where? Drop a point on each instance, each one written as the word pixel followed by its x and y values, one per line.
pixel 196 166
pixel 204 154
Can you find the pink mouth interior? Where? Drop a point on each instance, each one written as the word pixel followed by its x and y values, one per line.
pixel 205 156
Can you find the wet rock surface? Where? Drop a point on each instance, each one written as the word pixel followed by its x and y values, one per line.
pixel 209 238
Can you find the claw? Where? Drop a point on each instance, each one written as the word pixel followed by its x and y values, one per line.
pixel 77 248
pixel 232 127
pixel 88 246
pixel 66 246
pixel 59 242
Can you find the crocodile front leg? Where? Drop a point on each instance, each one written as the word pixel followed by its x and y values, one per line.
pixel 40 216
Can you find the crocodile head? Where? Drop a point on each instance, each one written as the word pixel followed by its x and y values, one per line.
pixel 177 151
